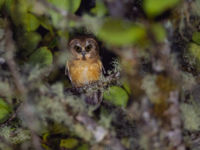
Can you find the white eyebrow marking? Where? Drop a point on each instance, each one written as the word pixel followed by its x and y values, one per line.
pixel 78 44
pixel 87 43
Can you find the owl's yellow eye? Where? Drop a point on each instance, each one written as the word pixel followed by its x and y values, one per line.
pixel 88 48
pixel 77 49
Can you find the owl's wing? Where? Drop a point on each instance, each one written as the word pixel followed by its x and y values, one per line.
pixel 101 66
pixel 67 70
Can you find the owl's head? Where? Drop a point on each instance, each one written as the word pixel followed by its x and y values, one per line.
pixel 83 48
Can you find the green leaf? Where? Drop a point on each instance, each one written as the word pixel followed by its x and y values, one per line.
pixel 154 8
pixel 127 87
pixel 31 23
pixel 159 32
pixel 83 147
pixel 18 11
pixel 46 24
pixel 41 57
pixel 69 5
pixel 116 95
pixel 5 110
pixel 32 39
pixel 68 143
pixel 118 32
pixel 196 37
pixel 100 9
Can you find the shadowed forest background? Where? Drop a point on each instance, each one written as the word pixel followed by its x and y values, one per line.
pixel 150 50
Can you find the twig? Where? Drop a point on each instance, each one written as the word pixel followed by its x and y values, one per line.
pixel 10 49
pixel 109 81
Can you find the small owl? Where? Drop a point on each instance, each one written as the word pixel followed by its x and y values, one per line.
pixel 84 65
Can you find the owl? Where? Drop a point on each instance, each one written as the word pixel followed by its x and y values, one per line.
pixel 84 65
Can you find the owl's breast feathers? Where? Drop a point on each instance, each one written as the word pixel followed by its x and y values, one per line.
pixel 82 72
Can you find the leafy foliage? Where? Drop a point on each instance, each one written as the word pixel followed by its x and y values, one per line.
pixel 42 57
pixel 148 93
pixel 156 7
pixel 5 110
pixel 116 95
pixel 119 32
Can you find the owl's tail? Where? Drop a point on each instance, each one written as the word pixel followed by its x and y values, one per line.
pixel 94 98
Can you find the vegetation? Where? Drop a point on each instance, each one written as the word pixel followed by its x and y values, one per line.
pixel 150 50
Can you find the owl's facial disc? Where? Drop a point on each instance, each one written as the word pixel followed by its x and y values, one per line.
pixel 84 49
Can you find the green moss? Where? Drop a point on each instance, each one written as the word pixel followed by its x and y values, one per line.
pixel 191 117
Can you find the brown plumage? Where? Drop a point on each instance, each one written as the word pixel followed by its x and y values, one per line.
pixel 84 65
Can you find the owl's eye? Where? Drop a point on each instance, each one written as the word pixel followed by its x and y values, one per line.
pixel 77 48
pixel 88 48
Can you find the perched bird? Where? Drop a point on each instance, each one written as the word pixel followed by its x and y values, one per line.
pixel 84 65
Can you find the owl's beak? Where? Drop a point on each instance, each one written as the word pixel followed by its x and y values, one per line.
pixel 83 53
